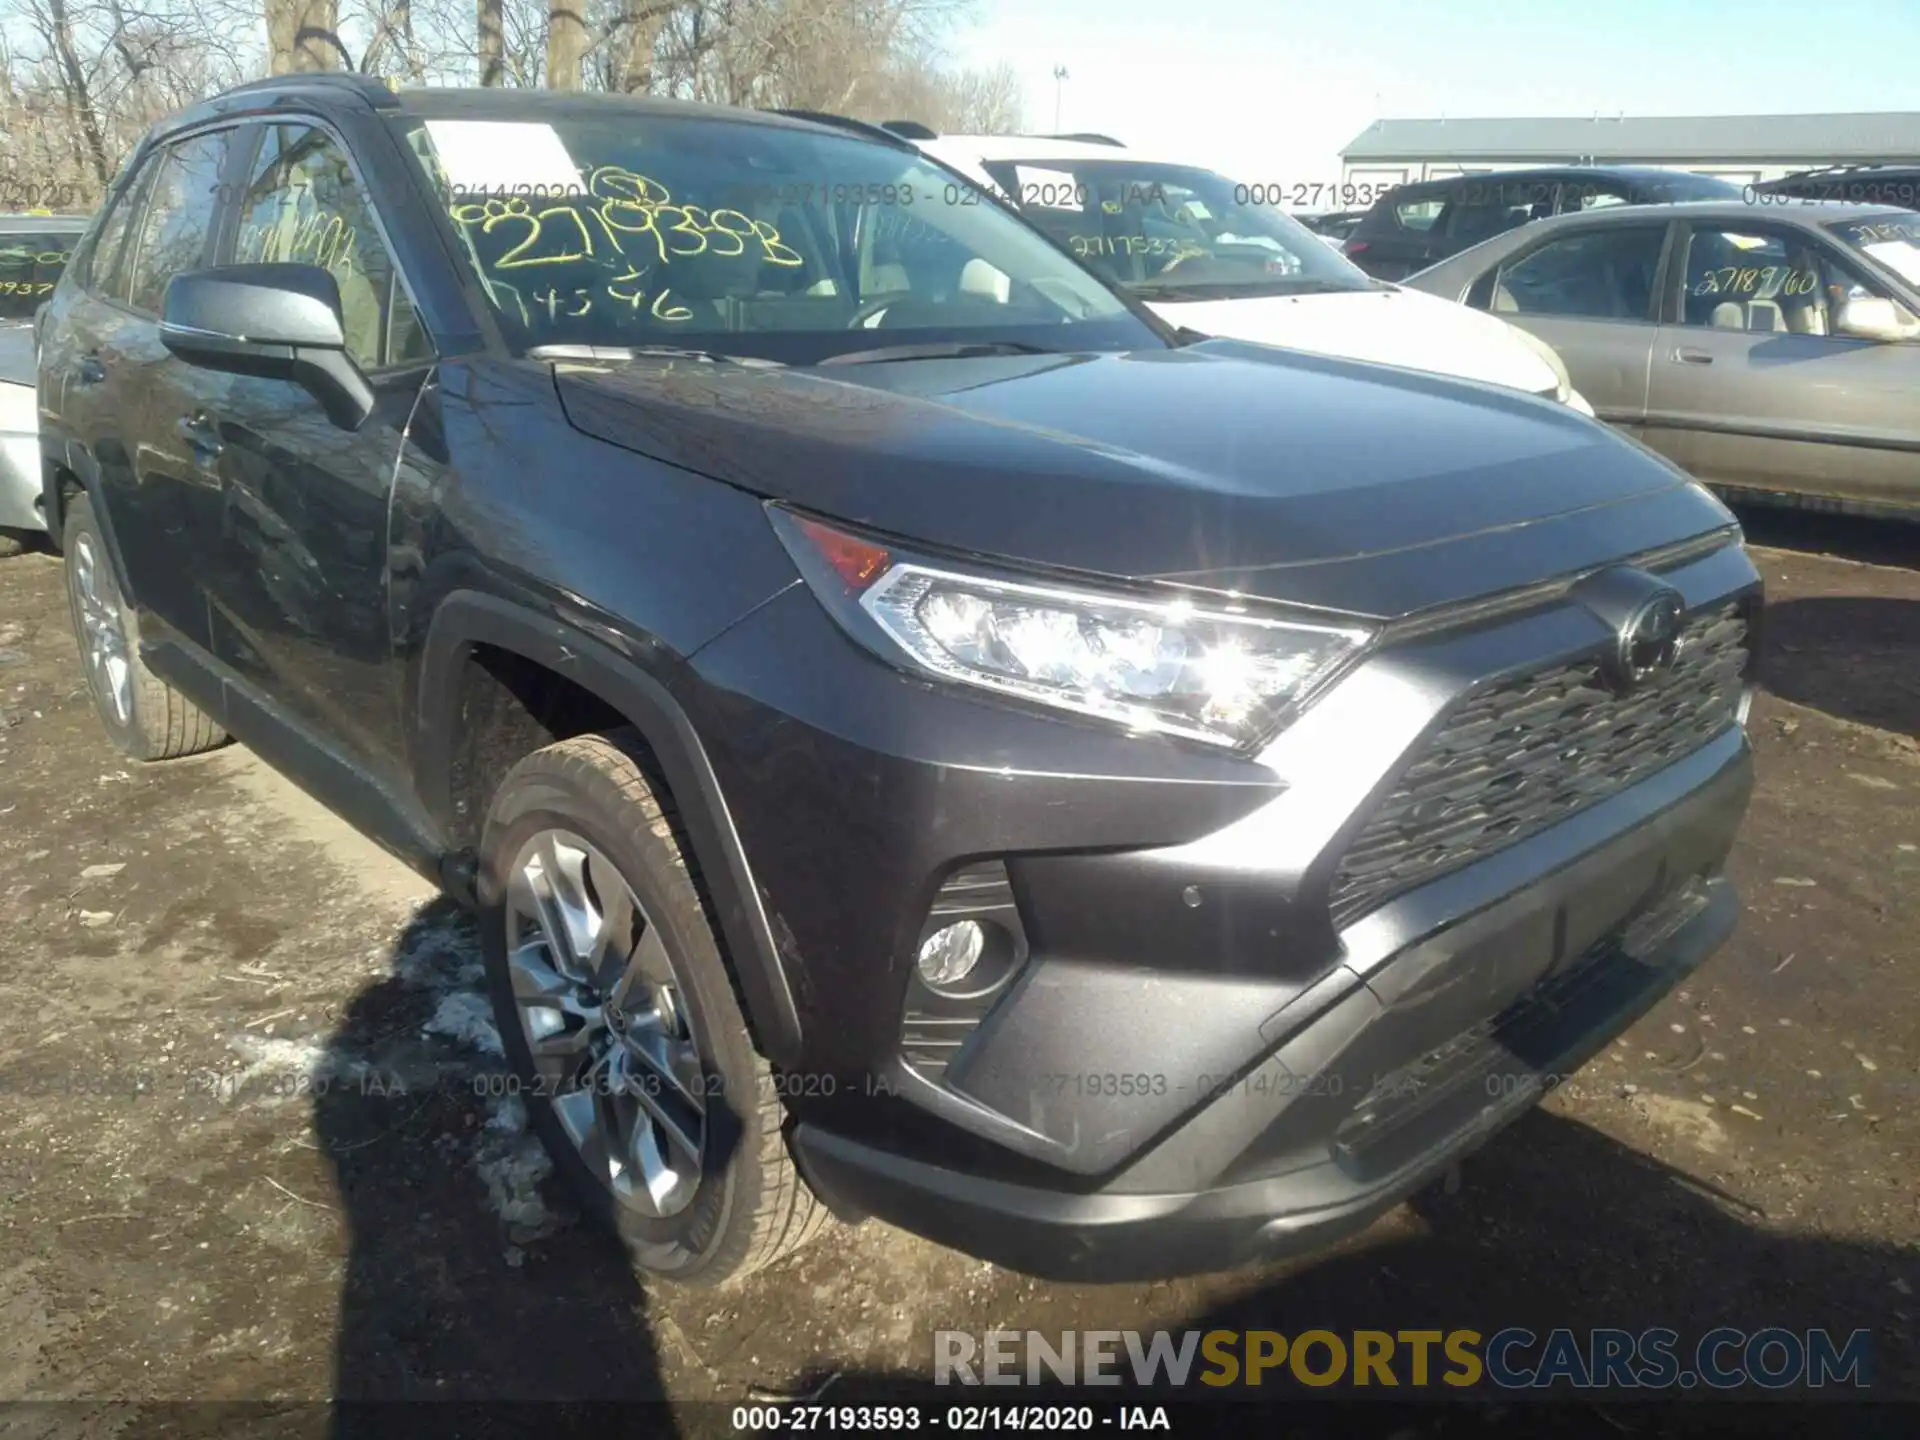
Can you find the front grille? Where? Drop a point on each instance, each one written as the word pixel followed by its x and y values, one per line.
pixel 1531 751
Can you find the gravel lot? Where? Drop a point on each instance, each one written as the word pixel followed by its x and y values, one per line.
pixel 182 1216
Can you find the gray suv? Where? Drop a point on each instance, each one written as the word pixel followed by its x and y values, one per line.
pixel 922 737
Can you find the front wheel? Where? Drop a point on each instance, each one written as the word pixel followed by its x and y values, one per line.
pixel 620 1021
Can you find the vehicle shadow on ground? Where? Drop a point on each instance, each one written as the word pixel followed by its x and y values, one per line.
pixel 1554 1225
pixel 1853 537
pixel 1855 657
pixel 439 1302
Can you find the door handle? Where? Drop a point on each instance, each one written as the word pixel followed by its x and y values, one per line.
pixel 202 437
pixel 89 370
pixel 1688 355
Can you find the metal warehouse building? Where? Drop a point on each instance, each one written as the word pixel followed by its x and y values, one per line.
pixel 1740 148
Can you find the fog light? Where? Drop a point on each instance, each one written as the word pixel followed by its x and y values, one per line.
pixel 949 954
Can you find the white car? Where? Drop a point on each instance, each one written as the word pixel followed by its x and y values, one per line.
pixel 1189 243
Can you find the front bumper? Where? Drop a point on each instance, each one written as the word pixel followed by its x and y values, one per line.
pixel 1376 1083
pixel 1179 1074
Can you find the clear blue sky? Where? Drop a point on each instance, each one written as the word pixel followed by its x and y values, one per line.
pixel 1272 89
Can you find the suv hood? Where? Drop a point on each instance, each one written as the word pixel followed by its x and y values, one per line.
pixel 1224 465
pixel 1388 327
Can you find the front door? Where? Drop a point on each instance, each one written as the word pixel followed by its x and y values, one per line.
pixel 298 574
pixel 1752 389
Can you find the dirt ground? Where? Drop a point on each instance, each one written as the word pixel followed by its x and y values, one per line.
pixel 188 947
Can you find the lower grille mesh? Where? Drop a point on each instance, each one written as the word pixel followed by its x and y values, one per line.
pixel 1531 751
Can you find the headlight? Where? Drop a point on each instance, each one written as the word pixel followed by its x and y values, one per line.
pixel 1173 666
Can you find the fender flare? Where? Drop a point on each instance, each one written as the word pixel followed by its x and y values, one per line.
pixel 466 618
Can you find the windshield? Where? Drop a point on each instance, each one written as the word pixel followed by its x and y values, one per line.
pixel 1171 232
pixel 30 266
pixel 1893 240
pixel 636 229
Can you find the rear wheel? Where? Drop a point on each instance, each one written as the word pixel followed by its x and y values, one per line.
pixel 621 1024
pixel 146 718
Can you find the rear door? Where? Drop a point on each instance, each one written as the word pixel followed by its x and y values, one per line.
pixel 1484 206
pixel 1592 293
pixel 1397 237
pixel 1752 390
pixel 127 393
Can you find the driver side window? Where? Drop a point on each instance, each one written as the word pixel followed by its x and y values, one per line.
pixel 304 205
pixel 1766 280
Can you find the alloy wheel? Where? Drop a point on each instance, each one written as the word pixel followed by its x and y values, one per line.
pixel 103 636
pixel 601 1009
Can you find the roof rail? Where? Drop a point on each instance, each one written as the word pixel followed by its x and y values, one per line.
pixel 910 129
pixel 371 88
pixel 843 122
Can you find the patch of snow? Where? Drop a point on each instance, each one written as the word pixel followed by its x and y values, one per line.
pixel 465 1015
pixel 511 1163
pixel 440 957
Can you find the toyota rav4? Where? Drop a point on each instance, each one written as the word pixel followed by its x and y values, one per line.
pixel 923 738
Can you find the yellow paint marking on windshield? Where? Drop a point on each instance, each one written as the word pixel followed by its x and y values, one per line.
pixel 624 203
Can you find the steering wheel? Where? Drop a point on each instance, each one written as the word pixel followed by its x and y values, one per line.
pixel 879 305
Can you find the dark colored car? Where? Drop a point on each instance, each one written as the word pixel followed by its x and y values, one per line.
pixel 1773 351
pixel 1335 225
pixel 1414 226
pixel 917 733
pixel 1854 184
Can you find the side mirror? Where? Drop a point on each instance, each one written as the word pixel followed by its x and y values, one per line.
pixel 279 322
pixel 1874 317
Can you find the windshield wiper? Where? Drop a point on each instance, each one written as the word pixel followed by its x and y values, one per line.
pixel 938 350
pixel 647 352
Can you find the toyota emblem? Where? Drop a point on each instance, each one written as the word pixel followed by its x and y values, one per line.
pixel 1647 643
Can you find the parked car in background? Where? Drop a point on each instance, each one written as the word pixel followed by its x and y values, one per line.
pixel 1774 352
pixel 1206 252
pixel 922 736
pixel 1414 226
pixel 1334 227
pixel 33 252
pixel 1855 184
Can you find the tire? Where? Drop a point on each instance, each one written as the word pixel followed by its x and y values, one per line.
pixel 584 810
pixel 146 718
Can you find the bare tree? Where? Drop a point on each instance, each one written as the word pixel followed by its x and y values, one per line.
pixel 304 35
pixel 566 43
pixel 82 80
pixel 493 41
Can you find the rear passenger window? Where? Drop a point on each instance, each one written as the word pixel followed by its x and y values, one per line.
pixel 1419 214
pixel 179 217
pixel 1596 275
pixel 107 264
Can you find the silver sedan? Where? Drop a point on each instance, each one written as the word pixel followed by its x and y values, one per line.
pixel 1771 349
